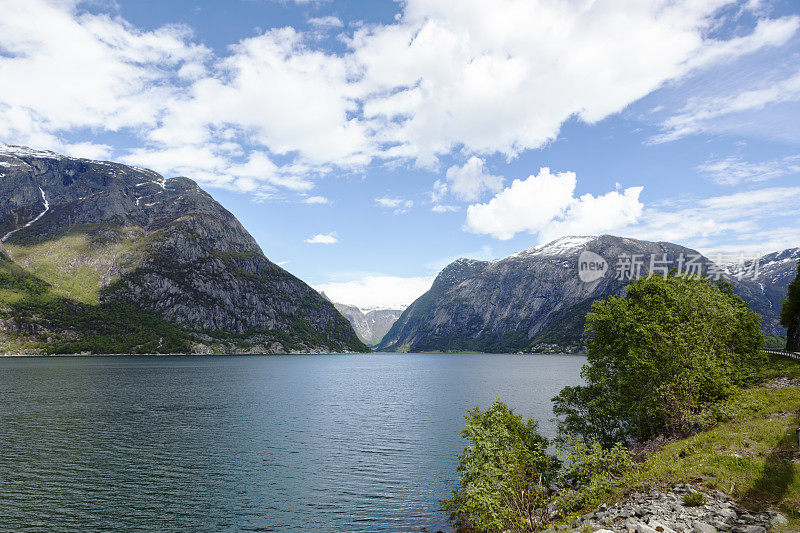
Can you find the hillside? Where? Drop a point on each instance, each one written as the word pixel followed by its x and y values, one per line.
pixel 93 237
pixel 535 301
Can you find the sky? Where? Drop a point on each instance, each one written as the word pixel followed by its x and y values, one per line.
pixel 367 144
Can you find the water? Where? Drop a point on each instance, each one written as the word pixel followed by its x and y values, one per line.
pixel 258 443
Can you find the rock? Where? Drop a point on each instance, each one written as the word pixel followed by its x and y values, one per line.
pixel 660 527
pixel 643 528
pixel 752 529
pixel 779 520
pixel 701 527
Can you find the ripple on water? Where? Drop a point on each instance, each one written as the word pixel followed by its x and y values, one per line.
pixel 330 443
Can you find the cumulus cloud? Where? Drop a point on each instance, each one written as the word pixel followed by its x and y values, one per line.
pixel 109 74
pixel 377 290
pixel 545 203
pixel 734 170
pixel 503 76
pixel 470 181
pixel 276 111
pixel 323 238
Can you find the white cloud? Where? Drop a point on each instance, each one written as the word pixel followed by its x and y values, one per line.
pixel 276 112
pixel 545 204
pixel 443 208
pixel 63 71
pixel 399 205
pixel 323 238
pixel 503 76
pixel 470 181
pixel 704 114
pixel 749 221
pixel 734 170
pixel 316 200
pixel 329 21
pixel 377 290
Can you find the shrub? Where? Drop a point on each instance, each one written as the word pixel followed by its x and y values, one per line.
pixel 657 356
pixel 590 473
pixel 694 499
pixel 505 474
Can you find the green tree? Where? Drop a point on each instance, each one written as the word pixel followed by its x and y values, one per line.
pixel 505 474
pixel 657 356
pixel 791 305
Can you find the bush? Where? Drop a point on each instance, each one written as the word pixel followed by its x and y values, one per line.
pixel 505 474
pixel 657 356
pixel 590 474
pixel 694 499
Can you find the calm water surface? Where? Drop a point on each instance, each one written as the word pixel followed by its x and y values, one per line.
pixel 259 443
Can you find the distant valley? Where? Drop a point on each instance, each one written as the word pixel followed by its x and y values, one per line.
pixel 371 325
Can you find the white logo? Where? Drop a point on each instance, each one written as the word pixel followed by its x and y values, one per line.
pixel 591 266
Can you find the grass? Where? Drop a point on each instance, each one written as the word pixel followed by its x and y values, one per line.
pixel 48 322
pixel 75 262
pixel 750 453
pixel 694 499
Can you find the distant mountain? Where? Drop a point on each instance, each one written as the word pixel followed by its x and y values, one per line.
pixel 100 257
pixel 535 300
pixel 370 324
pixel 764 285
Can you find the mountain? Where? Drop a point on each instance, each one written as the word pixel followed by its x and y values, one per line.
pixel 101 257
pixel 764 285
pixel 536 301
pixel 371 324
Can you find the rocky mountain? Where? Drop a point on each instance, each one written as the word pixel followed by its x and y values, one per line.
pixel 536 300
pixel 371 324
pixel 763 283
pixel 100 256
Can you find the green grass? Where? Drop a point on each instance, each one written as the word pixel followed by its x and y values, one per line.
pixel 751 453
pixel 52 323
pixel 74 262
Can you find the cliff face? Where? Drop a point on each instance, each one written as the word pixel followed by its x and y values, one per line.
pixel 101 233
pixel 534 300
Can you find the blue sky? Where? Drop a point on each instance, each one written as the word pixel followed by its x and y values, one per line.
pixel 365 144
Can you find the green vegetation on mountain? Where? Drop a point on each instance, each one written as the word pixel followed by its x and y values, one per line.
pixel 37 317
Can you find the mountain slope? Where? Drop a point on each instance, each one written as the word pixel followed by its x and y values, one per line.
pixel 370 326
pixel 530 301
pixel 100 234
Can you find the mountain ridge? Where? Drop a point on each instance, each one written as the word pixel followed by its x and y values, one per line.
pixel 99 232
pixel 533 300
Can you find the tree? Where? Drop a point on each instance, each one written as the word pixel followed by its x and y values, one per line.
pixel 657 356
pixel 790 313
pixel 505 474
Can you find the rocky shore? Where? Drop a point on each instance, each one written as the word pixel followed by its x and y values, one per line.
pixel 682 509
